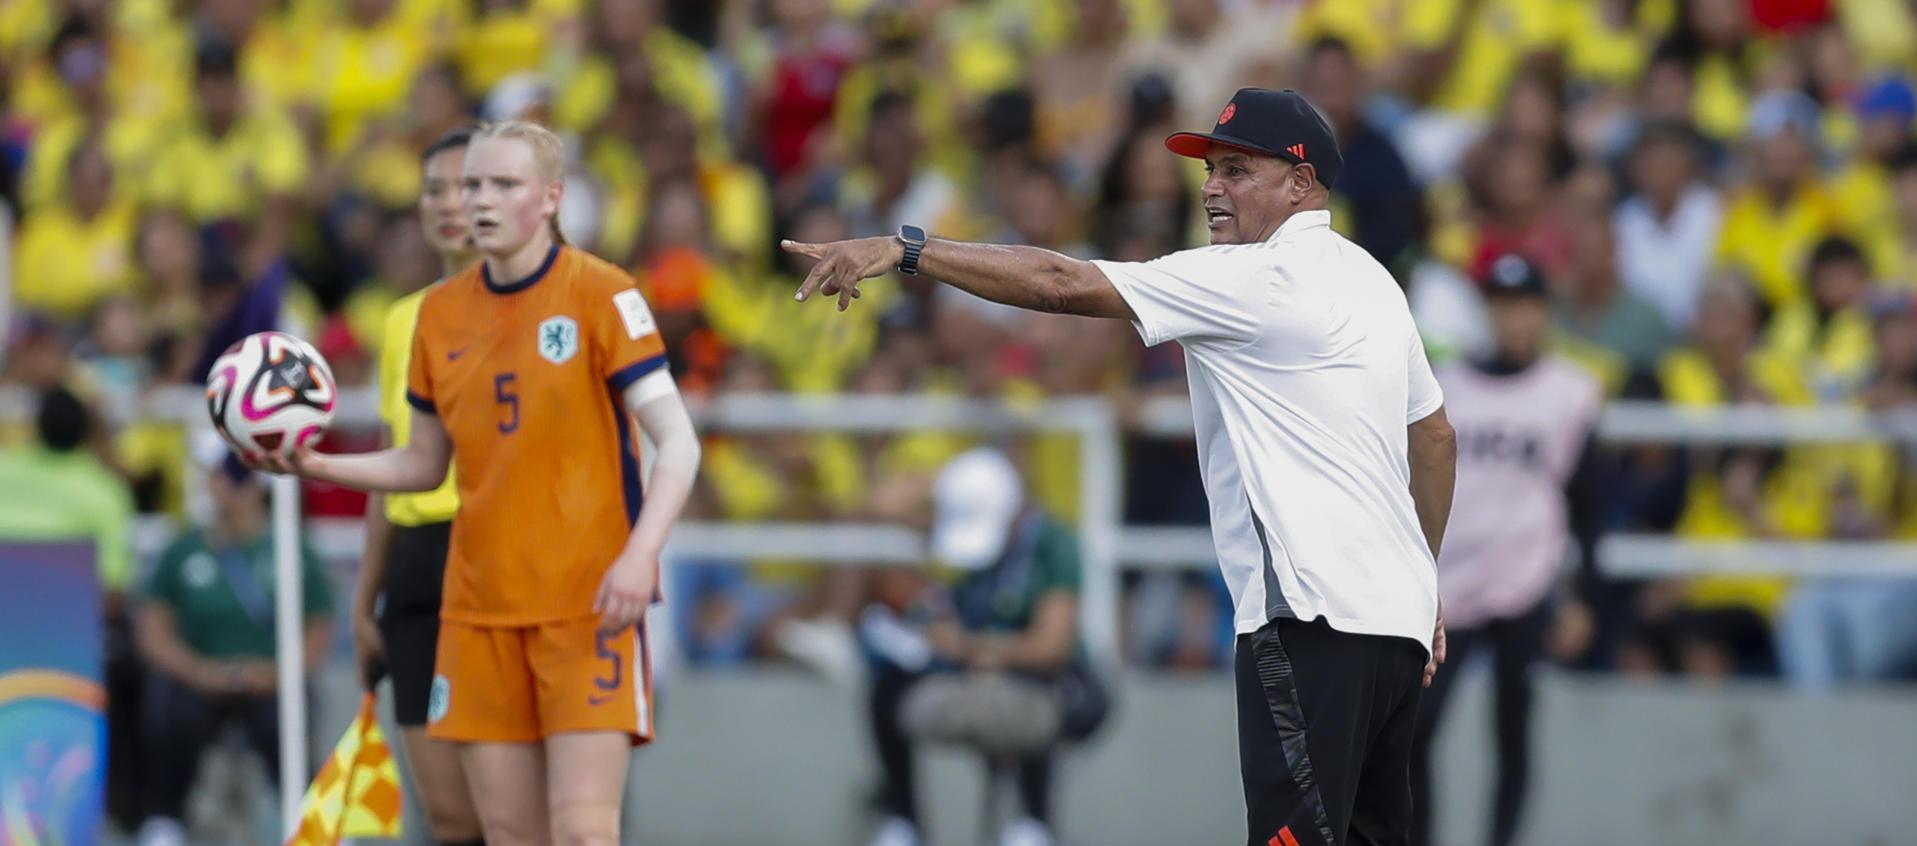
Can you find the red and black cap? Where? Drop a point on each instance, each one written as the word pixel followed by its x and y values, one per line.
pixel 1273 123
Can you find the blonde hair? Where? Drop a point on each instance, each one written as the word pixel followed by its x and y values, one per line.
pixel 549 153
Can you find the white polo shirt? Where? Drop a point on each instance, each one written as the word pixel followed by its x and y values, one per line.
pixel 1304 368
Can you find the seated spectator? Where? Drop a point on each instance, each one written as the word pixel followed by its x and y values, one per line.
pixel 1667 228
pixel 1595 306
pixel 206 628
pixel 1828 335
pixel 75 252
pixel 993 664
pixel 1719 625
pixel 1772 223
pixel 1857 630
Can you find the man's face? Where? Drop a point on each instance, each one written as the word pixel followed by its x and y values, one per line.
pixel 1247 195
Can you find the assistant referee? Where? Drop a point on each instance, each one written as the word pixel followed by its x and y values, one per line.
pixel 1322 441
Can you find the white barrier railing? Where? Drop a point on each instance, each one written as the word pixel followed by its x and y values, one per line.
pixel 1109 545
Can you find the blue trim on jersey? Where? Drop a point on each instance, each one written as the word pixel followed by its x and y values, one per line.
pixel 420 403
pixel 486 274
pixel 623 378
pixel 628 458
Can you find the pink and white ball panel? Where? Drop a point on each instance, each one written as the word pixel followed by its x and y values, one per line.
pixel 270 392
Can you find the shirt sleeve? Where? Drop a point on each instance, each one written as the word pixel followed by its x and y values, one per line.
pixel 1060 565
pixel 1423 395
pixel 1206 293
pixel 395 354
pixel 419 375
pixel 624 335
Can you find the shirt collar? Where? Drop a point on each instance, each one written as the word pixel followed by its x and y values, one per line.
pixel 1300 222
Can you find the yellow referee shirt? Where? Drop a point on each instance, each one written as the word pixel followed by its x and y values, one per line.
pixel 395 354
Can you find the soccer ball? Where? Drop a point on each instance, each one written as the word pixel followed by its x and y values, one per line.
pixel 271 392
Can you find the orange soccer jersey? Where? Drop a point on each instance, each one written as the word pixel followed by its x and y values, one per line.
pixel 528 378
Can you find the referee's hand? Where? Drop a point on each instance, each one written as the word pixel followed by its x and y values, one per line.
pixel 1437 650
pixel 841 265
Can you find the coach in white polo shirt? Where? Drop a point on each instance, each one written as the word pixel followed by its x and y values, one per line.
pixel 1321 438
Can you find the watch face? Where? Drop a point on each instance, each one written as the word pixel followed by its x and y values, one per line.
pixel 912 234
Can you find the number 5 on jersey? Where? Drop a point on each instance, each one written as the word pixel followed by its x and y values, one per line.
pixel 507 395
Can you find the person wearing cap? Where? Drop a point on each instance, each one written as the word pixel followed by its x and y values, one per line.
pixel 205 624
pixel 994 663
pixel 1526 474
pixel 1322 441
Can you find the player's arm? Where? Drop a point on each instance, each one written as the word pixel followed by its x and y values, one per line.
pixel 420 465
pixel 1027 277
pixel 1434 472
pixel 654 399
pixel 1433 448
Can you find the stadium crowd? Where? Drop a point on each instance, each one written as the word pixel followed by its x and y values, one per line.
pixel 1722 195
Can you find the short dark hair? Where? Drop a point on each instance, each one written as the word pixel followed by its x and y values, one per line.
pixel 1670 133
pixel 456 139
pixel 63 421
pixel 1330 44
pixel 888 103
pixel 74 28
pixel 216 59
pixel 1835 249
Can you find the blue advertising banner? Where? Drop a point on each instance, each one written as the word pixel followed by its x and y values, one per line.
pixel 52 702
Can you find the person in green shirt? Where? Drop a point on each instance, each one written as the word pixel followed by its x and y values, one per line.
pixel 205 625
pixel 993 663
pixel 55 489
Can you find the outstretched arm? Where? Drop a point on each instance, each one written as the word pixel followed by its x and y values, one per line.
pixel 420 465
pixel 1027 277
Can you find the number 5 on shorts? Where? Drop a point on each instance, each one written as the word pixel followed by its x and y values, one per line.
pixel 611 656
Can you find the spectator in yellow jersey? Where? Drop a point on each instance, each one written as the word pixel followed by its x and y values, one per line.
pixel 1828 335
pixel 360 68
pixel 1883 112
pixel 236 160
pixel 271 45
pixel 71 255
pixel 506 37
pixel 82 107
pixel 1772 222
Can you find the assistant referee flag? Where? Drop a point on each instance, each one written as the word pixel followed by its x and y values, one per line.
pixel 357 793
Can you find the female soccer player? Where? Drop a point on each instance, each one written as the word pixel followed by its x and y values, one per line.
pixel 528 369
pixel 407 533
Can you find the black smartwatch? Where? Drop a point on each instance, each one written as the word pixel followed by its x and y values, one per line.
pixel 913 237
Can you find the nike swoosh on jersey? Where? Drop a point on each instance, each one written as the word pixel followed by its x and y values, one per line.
pixel 453 355
pixel 596 699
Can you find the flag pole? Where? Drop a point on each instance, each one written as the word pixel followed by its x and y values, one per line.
pixel 290 649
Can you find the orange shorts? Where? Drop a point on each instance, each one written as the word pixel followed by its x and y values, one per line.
pixel 521 684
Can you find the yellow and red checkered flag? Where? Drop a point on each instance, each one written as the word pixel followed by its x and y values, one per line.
pixel 357 793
